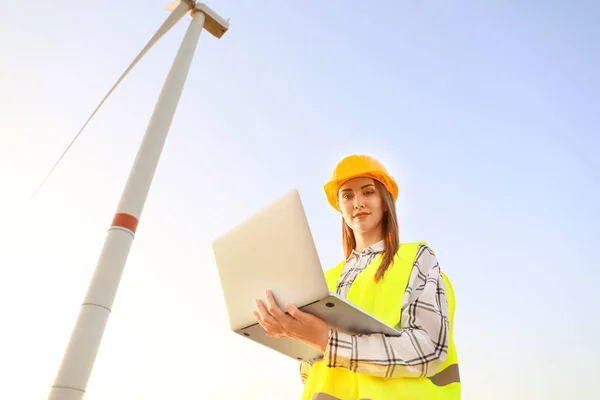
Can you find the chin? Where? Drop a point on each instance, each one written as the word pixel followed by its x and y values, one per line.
pixel 363 229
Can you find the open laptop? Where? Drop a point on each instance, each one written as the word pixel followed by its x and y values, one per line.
pixel 274 249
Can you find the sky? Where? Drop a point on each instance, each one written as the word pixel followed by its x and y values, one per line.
pixel 486 113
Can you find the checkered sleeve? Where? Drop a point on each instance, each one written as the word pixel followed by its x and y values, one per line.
pixel 422 344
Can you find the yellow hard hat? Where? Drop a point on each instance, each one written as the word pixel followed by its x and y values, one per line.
pixel 354 166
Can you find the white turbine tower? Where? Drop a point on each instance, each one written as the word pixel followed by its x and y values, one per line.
pixel 73 374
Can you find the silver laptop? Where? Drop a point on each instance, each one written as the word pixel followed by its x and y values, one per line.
pixel 274 249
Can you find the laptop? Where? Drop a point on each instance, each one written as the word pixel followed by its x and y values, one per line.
pixel 274 249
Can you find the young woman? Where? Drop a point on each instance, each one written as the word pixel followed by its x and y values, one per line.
pixel 400 284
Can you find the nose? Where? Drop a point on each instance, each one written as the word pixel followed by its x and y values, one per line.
pixel 358 201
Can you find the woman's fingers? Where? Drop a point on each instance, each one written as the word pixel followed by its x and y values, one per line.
pixel 267 321
pixel 269 330
pixel 282 318
pixel 266 316
pixel 294 324
pixel 299 315
pixel 273 319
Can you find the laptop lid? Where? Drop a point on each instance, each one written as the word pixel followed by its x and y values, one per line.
pixel 272 249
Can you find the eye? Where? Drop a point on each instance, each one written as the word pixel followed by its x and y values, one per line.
pixel 369 192
pixel 347 196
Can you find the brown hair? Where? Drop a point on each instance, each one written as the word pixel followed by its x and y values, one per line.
pixel 390 232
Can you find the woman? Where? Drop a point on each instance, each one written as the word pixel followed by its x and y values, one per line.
pixel 400 284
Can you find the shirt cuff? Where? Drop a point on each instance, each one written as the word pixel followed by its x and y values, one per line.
pixel 340 346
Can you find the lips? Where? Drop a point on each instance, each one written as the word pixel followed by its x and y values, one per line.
pixel 360 215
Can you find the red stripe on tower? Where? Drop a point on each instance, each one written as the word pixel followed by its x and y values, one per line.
pixel 126 221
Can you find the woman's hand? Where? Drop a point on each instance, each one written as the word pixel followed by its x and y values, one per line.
pixel 295 324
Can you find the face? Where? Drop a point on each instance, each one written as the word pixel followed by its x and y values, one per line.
pixel 361 205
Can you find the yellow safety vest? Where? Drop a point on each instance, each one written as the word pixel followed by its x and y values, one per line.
pixel 384 300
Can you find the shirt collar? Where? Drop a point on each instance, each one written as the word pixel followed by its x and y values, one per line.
pixel 373 249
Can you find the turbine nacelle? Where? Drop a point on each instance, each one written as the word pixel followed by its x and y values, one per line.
pixel 213 22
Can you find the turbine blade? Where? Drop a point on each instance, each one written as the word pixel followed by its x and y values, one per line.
pixel 178 12
pixel 173 5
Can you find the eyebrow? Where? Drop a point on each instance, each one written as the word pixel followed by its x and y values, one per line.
pixel 362 187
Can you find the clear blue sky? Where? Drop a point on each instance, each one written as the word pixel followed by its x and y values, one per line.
pixel 486 113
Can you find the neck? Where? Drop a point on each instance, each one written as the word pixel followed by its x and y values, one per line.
pixel 366 239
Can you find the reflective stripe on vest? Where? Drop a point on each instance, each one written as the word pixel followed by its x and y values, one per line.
pixel 384 301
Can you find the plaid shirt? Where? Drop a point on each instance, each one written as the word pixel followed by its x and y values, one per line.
pixel 422 345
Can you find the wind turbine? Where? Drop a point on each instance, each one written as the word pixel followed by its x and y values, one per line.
pixel 74 371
